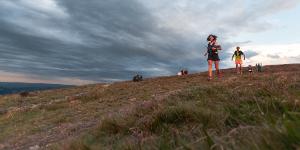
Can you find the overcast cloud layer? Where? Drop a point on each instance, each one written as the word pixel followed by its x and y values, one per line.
pixel 110 40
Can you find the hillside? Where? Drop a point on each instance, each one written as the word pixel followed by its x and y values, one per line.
pixel 259 111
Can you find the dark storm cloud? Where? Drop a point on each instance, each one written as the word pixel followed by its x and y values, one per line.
pixel 99 40
pixel 100 54
pixel 107 40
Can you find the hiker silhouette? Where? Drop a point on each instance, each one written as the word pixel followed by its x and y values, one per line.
pixel 237 55
pixel 183 72
pixel 212 55
pixel 137 78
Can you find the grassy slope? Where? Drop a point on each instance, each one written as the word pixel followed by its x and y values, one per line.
pixel 235 112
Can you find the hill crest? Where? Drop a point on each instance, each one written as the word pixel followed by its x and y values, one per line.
pixel 187 109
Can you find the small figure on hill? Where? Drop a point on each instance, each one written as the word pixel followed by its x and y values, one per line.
pixel 259 67
pixel 185 72
pixel 182 72
pixel 137 78
pixel 250 69
pixel 212 55
pixel 237 55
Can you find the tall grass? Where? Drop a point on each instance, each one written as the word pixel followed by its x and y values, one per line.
pixel 207 117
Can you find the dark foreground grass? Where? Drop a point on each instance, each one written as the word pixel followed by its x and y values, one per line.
pixel 254 115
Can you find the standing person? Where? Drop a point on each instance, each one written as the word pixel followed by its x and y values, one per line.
pixel 238 60
pixel 250 69
pixel 213 56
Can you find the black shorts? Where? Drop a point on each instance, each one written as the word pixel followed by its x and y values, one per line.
pixel 213 57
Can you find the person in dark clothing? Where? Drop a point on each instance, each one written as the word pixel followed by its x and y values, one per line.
pixel 137 78
pixel 212 55
pixel 183 72
pixel 259 67
pixel 250 70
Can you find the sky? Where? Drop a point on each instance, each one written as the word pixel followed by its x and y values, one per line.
pixel 82 42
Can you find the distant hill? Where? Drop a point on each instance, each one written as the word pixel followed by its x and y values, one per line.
pixel 14 87
pixel 257 111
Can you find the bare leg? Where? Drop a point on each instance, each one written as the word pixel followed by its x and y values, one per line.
pixel 210 68
pixel 237 68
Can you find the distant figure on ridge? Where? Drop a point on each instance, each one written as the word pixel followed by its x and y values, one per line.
pixel 250 69
pixel 182 72
pixel 237 55
pixel 212 55
pixel 259 67
pixel 137 78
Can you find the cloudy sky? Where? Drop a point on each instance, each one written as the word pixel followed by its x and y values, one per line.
pixel 81 42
